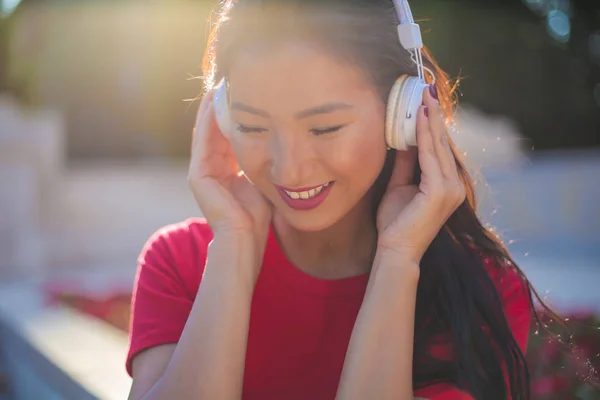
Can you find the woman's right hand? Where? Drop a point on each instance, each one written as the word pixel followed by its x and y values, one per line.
pixel 229 201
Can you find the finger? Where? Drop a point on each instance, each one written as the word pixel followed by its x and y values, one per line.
pixel 212 143
pixel 439 135
pixel 201 140
pixel 204 103
pixel 404 167
pixel 428 160
pixel 206 100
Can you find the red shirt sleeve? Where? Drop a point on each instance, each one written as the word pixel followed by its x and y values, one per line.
pixel 518 310
pixel 168 276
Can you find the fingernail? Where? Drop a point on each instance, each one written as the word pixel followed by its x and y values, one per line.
pixel 433 91
pixel 426 111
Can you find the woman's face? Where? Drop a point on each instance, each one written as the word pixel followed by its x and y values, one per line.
pixel 309 132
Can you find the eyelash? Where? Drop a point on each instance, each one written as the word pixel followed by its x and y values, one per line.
pixel 317 132
pixel 248 129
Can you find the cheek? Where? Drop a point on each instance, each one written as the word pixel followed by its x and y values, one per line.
pixel 252 156
pixel 248 154
pixel 360 157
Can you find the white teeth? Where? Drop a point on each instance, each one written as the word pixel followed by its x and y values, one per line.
pixel 306 194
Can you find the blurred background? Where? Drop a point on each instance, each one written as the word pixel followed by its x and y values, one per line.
pixel 94 142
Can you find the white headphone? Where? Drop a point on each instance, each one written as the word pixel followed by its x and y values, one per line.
pixel 404 99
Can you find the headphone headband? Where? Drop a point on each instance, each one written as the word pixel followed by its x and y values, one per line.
pixel 403 11
pixel 409 34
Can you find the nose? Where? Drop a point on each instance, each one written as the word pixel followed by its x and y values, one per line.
pixel 291 161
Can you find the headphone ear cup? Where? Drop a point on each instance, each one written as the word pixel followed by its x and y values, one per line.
pixel 222 113
pixel 403 105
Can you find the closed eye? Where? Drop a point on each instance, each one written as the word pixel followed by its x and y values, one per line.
pixel 318 132
pixel 250 129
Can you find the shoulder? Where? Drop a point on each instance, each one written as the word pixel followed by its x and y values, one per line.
pixel 181 236
pixel 177 251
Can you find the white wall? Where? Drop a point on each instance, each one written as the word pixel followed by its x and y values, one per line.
pixel 107 212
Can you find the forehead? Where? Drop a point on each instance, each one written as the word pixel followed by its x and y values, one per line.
pixel 298 70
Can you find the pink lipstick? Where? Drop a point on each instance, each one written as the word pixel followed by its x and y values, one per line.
pixel 305 198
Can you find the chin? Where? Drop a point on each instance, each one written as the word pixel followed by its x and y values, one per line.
pixel 309 224
pixel 312 220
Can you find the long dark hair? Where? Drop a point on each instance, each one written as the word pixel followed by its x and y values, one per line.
pixel 457 300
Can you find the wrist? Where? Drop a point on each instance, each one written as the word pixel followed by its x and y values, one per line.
pixel 405 253
pixel 232 238
pixel 227 233
pixel 397 261
pixel 234 255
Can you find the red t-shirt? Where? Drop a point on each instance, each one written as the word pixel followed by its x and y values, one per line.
pixel 300 325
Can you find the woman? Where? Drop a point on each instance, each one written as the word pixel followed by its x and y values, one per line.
pixel 333 266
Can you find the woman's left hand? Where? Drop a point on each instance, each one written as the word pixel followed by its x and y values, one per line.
pixel 409 217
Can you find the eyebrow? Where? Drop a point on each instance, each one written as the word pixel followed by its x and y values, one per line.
pixel 322 109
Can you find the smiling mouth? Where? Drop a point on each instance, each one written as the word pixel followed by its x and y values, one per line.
pixel 305 194
pixel 305 198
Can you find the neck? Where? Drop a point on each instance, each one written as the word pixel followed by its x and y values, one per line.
pixel 343 250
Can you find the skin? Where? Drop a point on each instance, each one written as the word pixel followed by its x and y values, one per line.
pixel 335 240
